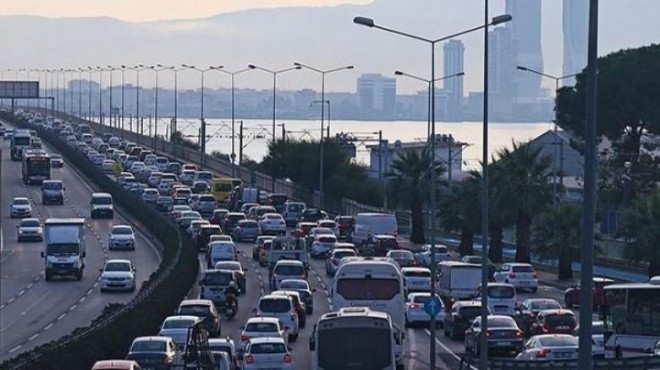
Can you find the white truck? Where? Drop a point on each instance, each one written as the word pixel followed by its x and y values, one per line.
pixel 458 280
pixel 64 252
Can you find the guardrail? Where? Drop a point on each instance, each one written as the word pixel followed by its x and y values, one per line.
pixel 471 362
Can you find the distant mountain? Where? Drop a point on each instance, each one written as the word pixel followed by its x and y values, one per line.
pixel 324 37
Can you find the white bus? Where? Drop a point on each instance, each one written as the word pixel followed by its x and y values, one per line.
pixel 632 314
pixel 376 283
pixel 353 338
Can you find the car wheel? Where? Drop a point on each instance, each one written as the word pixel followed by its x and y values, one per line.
pixel 309 310
pixel 468 349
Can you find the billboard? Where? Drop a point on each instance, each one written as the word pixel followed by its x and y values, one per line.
pixel 19 89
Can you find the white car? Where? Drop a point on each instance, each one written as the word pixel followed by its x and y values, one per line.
pixel 150 196
pixel 329 224
pixel 548 347
pixel 283 309
pixel 154 179
pixel 165 186
pixel 423 257
pixel 259 327
pixel 176 327
pixel 108 166
pixel 162 163
pixel 272 223
pixel 597 339
pixel 195 226
pixel 122 237
pixel 267 353
pixel 323 245
pixel 118 275
pixel 30 229
pixel 415 313
pixel 20 207
pixel 416 279
pixel 520 275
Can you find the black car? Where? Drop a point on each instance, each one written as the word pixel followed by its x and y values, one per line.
pixel 313 215
pixel 460 317
pixel 277 201
pixel 231 220
pixel 158 353
pixel 200 187
pixel 204 309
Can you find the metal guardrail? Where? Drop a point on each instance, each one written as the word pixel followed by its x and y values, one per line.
pixel 470 362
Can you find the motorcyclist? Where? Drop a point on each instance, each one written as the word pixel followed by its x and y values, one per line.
pixel 231 294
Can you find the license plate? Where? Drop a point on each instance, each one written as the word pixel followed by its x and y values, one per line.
pixel 63 271
pixel 502 343
pixel 524 283
pixel 563 355
pixel 499 309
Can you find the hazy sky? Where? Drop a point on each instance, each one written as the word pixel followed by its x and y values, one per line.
pixel 147 10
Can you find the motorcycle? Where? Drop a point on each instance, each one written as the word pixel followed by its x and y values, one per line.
pixel 230 308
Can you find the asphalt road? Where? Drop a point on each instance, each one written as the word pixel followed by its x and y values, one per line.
pixel 33 311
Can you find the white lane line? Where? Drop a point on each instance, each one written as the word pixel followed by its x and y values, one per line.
pixel 21 293
pixel 60 317
pixel 412 349
pixel 89 292
pixel 82 299
pixel 29 286
pixel 73 307
pixel 2 306
pixel 48 326
pixel 454 355
pixel 11 300
pixel 33 337
pixel 15 348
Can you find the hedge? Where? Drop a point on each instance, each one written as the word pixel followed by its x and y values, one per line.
pixel 111 334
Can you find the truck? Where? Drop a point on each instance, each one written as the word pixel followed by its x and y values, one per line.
pixel 288 248
pixel 458 280
pixel 22 139
pixel 64 250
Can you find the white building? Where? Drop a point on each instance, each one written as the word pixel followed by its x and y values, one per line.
pixel 454 52
pixel 376 92
pixel 575 30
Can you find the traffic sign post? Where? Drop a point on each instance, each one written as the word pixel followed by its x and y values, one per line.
pixel 432 306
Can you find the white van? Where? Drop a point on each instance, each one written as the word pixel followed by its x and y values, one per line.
pixel 213 285
pixel 101 205
pixel 370 224
pixel 221 251
pixel 502 299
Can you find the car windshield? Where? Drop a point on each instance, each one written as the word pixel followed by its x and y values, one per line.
pixel 327 239
pixel 288 270
pixel 21 202
pixel 248 224
pixel 194 310
pixel 30 223
pixel 501 322
pixel 501 292
pixel 274 217
pixel 342 254
pixel 228 266
pixel 522 269
pixel 265 348
pixel 417 273
pixel 400 255
pixel 274 305
pixel 295 207
pixel 104 200
pixel 178 324
pixel 294 285
pixel 421 298
pixel 545 305
pixel 52 185
pixel 368 289
pixel 122 230
pixel 117 266
pixel 561 320
pixel 149 346
pixel 218 278
pixel 558 341
pixel 261 327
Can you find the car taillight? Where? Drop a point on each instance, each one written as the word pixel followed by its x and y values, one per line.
pixel 542 353
pixel 335 261
pixel 519 334
pixel 414 306
pixel 546 327
pixel 168 360
pixel 535 276
pixel 512 275
pixel 287 358
pixel 249 359
pixel 244 338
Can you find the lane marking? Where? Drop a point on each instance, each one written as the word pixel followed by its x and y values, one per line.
pixel 73 307
pixel 48 326
pixel 60 317
pixel 15 348
pixel 449 351
pixel 33 337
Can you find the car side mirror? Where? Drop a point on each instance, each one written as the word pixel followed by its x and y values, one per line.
pixel 289 349
pixel 313 290
pixel 84 254
pixel 254 310
pixel 43 255
pixel 100 270
pixel 240 356
pixel 242 327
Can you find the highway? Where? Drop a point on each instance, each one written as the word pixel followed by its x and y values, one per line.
pixel 33 311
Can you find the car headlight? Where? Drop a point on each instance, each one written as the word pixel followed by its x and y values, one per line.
pixel 76 264
pixel 49 264
pixel 20 231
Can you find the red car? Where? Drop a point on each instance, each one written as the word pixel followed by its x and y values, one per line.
pixel 345 225
pixel 559 321
pixel 572 294
pixel 303 228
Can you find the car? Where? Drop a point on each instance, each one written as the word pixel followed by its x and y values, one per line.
pixel 416 279
pixel 20 208
pixel 282 308
pixel 218 216
pixel 116 365
pixel 332 262
pixel 98 159
pixel 460 317
pixel 345 225
pixel 158 353
pixel 226 347
pixel 231 220
pixel 572 294
pixel 476 259
pixel 200 187
pixel 246 229
pixel 312 215
pixel 597 338
pixel 195 226
pixel 204 234
pixel 302 287
pixel 549 347
pixel 176 327
pixel 164 204
pixel 272 223
pixel 118 274
pixel 423 257
pixel 292 212
pixel 258 245
pixel 303 228
pixel 56 161
pixel 297 302
pixel 267 353
pixel 154 178
pixel 322 245
pixel 162 163
pixel 213 284
pixel 239 273
pixel 257 212
pixel 30 229
pixel 404 258
pixel 502 299
pixel 121 237
pixel 108 166
pixel 260 327
pixel 177 211
pixel 150 196
pixel 316 231
pixel 204 309
pixel 502 332
pixel 415 313
pixel 557 321
pixel 206 204
pixel 530 308
pixel 520 275
pixel 186 176
pixel 287 269
pixel 101 205
pixel 379 245
pixel 174 167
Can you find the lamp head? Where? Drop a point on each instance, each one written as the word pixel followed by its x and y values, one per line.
pixel 297 64
pixel 460 74
pixel 298 67
pixel 398 73
pixel 350 67
pixel 521 68
pixel 363 21
pixel 252 66
pixel 501 19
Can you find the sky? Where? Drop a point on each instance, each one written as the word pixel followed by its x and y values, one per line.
pixel 148 10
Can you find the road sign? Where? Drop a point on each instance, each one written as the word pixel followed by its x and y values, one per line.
pixel 432 306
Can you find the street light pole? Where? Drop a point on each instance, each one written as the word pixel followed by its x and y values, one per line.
pixel 80 71
pixel 233 151
pixel 111 69
pixel 558 179
pixel 368 22
pixel 138 125
pixel 123 69
pixel 321 156
pixel 101 70
pixel 274 73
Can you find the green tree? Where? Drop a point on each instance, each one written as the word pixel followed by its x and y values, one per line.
pixel 410 180
pixel 628 92
pixel 639 226
pixel 525 188
pixel 459 208
pixel 500 213
pixel 556 235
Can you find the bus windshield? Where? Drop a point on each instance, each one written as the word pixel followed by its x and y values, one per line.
pixel 353 348
pixel 368 289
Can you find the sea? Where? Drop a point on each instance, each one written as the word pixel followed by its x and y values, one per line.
pixel 257 133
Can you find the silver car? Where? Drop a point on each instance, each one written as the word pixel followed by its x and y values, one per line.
pixel 246 229
pixel 267 353
pixel 122 237
pixel 30 229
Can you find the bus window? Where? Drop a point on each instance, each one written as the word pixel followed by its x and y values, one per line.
pixel 368 289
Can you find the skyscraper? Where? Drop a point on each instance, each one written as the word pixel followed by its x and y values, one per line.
pixel 453 64
pixel 574 16
pixel 376 92
pixel 526 33
pixel 501 65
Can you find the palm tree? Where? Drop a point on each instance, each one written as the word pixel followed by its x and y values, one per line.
pixel 459 209
pixel 556 234
pixel 409 182
pixel 639 225
pixel 525 188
